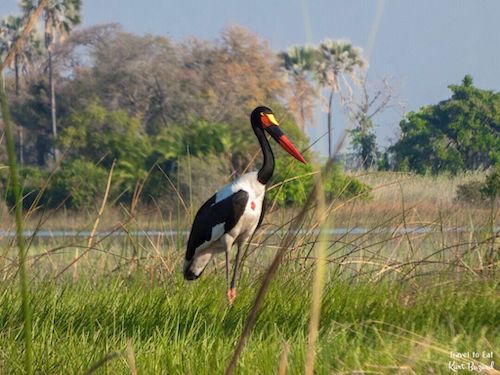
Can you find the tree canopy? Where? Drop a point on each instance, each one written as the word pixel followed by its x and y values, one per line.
pixel 153 108
pixel 457 134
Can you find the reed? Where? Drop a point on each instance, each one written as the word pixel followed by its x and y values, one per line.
pixel 21 244
pixel 24 287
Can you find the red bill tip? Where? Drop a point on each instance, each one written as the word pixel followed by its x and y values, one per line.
pixel 290 148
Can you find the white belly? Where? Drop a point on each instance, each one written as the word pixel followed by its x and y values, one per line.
pixel 247 224
pixel 248 221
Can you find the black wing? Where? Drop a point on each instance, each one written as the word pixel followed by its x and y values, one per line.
pixel 227 211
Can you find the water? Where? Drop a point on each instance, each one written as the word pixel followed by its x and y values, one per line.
pixel 155 232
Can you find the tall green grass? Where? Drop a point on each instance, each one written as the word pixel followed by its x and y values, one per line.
pixel 179 328
pixel 391 302
pixel 16 189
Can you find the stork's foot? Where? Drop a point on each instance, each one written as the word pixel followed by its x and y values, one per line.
pixel 231 295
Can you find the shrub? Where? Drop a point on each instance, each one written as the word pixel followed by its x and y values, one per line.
pixel 77 185
pixel 470 192
pixel 341 186
pixel 479 191
pixel 491 188
pixel 96 134
pixel 337 186
pixel 32 180
pixel 197 138
pixel 293 192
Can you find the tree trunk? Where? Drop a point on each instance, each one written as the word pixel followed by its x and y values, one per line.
pixel 364 145
pixel 330 112
pixel 365 154
pixel 301 95
pixel 42 149
pixel 16 70
pixel 53 107
pixel 21 146
pixel 302 119
pixel 21 138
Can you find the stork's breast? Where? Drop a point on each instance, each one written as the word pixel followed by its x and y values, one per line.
pixel 254 206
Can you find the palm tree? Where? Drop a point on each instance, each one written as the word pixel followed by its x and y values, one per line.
pixel 336 62
pixel 12 27
pixel 10 31
pixel 4 46
pixel 298 61
pixel 59 16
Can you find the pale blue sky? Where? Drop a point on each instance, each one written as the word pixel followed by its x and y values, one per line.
pixel 424 45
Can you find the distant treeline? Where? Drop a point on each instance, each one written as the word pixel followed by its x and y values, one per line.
pixel 173 116
pixel 169 117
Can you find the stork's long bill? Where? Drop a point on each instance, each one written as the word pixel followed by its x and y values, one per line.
pixel 271 125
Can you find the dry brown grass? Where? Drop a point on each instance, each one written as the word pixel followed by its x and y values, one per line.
pixel 425 199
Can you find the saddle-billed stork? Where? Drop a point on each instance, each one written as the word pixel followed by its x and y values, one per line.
pixel 235 211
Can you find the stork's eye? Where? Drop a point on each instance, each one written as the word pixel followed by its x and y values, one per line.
pixel 268 119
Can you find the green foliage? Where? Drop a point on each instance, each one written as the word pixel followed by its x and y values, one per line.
pixel 491 188
pixel 32 180
pixel 11 28
pixel 337 58
pixel 341 186
pixel 299 60
pixel 188 329
pixel 149 80
pixel 33 114
pixel 100 136
pixel 196 138
pixel 480 191
pixel 78 184
pixel 364 143
pixel 383 163
pixel 294 192
pixel 104 136
pixel 457 134
pixel 200 145
pixel 470 192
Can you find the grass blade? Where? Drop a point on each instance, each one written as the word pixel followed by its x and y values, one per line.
pixel 319 278
pixel 16 189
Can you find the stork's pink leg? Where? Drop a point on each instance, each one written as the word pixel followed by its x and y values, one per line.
pixel 231 295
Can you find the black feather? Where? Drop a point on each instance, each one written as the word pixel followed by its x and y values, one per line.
pixel 226 211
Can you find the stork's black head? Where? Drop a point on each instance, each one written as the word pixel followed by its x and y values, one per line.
pixel 263 117
pixel 260 113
